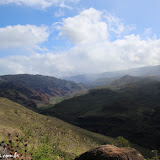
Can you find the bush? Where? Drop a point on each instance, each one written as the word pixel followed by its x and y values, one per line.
pixel 156 156
pixel 121 142
pixel 43 152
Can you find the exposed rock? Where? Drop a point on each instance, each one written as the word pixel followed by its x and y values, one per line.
pixel 110 152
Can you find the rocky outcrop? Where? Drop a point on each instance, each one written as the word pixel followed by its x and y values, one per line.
pixel 110 152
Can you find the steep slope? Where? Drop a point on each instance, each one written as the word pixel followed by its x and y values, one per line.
pixel 44 84
pixel 132 111
pixel 16 119
pixel 125 80
pixel 25 88
pixel 101 82
pixel 19 94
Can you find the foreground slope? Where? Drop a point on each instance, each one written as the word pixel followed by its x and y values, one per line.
pixel 131 110
pixel 15 118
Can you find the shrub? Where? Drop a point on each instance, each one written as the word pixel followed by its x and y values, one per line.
pixel 156 156
pixel 121 142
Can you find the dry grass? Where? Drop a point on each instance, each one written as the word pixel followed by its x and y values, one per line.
pixel 15 118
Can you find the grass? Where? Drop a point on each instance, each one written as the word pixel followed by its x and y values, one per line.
pixel 53 101
pixel 15 119
pixel 131 111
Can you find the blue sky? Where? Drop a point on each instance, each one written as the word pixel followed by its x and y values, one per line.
pixel 70 37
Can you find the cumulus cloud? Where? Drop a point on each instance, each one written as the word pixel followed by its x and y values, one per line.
pixel 116 25
pixel 23 36
pixel 39 3
pixel 100 57
pixel 92 25
pixel 93 51
pixel 86 27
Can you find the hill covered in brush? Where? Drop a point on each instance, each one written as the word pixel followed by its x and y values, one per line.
pixel 38 130
pixel 129 107
pixel 30 90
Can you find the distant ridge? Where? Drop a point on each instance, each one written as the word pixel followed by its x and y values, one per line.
pixel 139 72
pixel 25 88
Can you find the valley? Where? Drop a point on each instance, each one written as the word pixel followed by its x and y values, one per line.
pixel 90 115
pixel 128 107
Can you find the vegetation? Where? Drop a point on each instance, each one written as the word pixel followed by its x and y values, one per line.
pixel 131 110
pixel 121 142
pixel 128 107
pixel 36 90
pixel 19 94
pixel 156 155
pixel 44 134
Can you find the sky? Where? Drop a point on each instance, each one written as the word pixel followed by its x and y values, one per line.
pixel 64 38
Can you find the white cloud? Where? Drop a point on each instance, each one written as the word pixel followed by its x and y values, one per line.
pixel 87 27
pixel 39 3
pixel 116 25
pixel 98 57
pixel 23 36
pixel 93 52
pixel 92 25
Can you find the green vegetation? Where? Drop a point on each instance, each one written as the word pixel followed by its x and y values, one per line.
pixel 156 155
pixel 128 107
pixel 121 142
pixel 131 110
pixel 42 133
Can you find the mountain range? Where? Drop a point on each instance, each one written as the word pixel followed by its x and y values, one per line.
pixel 106 76
pixel 30 90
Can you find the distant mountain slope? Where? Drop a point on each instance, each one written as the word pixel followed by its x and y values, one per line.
pixel 19 94
pixel 131 110
pixel 44 84
pixel 25 88
pixel 138 72
pixel 118 81
pixel 83 78
pixel 101 82
pixel 125 80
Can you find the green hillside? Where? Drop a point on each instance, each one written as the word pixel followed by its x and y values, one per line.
pixel 131 110
pixel 16 119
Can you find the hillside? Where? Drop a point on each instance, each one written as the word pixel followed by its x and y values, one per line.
pixel 125 80
pixel 29 90
pixel 101 82
pixel 19 94
pixel 16 119
pixel 131 110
